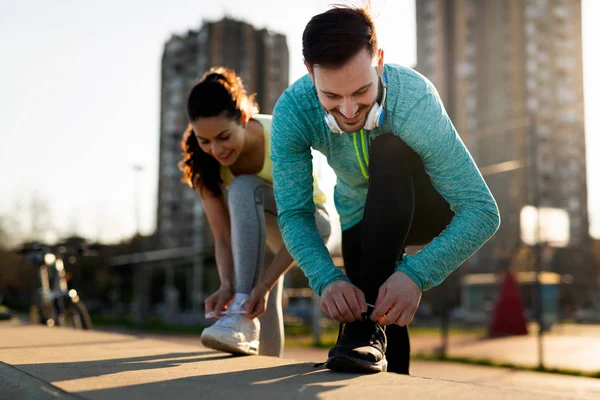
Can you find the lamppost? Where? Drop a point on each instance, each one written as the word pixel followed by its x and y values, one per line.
pixel 137 169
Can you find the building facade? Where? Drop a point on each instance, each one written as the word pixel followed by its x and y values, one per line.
pixel 510 74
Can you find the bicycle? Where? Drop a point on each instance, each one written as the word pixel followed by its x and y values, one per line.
pixel 53 302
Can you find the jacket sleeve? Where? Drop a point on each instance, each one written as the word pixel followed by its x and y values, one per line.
pixel 293 186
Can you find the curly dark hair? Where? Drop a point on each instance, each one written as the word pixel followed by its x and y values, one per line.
pixel 220 92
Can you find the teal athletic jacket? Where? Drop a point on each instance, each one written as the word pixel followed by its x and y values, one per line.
pixel 415 113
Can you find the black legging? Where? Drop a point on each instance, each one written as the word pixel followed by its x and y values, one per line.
pixel 402 208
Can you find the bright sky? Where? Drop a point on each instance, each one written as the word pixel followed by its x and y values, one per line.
pixel 79 97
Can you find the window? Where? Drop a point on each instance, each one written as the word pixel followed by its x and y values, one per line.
pixel 544 131
pixel 174 46
pixel 464 69
pixel 530 29
pixel 531 49
pixel 568 116
pixel 472 124
pixel 574 204
pixel 532 104
pixel 202 35
pixel 171 170
pixel 430 7
pixel 471 103
pixel 470 50
pixel 561 11
pixel 201 62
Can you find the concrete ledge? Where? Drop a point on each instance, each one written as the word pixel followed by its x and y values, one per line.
pixel 97 365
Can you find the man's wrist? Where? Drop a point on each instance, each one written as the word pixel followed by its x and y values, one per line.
pixel 411 274
pixel 332 281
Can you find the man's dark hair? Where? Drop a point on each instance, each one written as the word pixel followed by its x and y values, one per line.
pixel 332 38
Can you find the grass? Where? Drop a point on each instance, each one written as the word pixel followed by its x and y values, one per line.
pixel 296 335
pixel 490 363
pixel 301 336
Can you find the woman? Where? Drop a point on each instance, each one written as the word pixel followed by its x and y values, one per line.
pixel 226 159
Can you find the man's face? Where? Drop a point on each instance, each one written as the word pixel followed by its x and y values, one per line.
pixel 350 91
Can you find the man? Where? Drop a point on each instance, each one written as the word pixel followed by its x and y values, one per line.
pixel 404 177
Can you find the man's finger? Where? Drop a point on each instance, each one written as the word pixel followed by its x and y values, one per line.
pixel 352 302
pixel 405 318
pixel 324 308
pixel 343 308
pixel 381 293
pixel 362 302
pixel 335 311
pixel 329 309
pixel 382 306
pixel 392 316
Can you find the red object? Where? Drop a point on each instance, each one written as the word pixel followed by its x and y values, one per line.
pixel 508 318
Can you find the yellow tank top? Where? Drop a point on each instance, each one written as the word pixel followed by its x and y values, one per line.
pixel 266 173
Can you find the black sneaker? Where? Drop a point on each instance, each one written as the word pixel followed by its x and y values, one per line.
pixel 360 348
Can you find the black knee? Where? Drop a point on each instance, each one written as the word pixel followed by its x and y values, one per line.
pixel 392 154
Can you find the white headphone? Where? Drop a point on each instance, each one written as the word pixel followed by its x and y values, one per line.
pixel 374 119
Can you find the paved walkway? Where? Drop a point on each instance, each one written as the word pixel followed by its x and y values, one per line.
pixel 50 363
pixel 575 347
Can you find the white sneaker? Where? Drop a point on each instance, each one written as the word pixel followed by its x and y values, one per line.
pixel 233 333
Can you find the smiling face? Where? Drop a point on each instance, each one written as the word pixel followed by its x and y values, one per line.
pixel 350 91
pixel 220 137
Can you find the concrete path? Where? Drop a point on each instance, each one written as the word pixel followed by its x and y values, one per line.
pixel 50 363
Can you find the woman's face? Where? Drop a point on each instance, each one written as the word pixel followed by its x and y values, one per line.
pixel 220 137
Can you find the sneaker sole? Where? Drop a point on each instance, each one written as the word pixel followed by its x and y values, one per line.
pixel 221 344
pixel 355 365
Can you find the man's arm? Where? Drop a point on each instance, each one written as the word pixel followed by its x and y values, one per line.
pixel 429 131
pixel 293 187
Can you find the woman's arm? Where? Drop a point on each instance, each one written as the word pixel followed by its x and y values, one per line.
pixel 217 214
pixel 256 305
pixel 280 265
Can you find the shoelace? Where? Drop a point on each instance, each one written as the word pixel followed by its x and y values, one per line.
pixel 230 318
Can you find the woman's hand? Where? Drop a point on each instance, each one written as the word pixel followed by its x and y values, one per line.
pixel 217 301
pixel 256 305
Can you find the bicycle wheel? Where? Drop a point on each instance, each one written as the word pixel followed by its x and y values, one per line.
pixel 77 315
pixel 42 313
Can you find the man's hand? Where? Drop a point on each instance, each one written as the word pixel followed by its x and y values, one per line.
pixel 399 298
pixel 343 301
pixel 256 305
pixel 218 300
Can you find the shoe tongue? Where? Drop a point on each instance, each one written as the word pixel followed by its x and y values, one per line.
pixel 238 302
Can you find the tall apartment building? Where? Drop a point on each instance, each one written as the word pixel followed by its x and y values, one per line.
pixel 511 77
pixel 260 57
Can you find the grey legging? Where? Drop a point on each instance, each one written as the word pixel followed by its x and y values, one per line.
pixel 253 227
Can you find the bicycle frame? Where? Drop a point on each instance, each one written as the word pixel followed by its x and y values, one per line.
pixel 54 291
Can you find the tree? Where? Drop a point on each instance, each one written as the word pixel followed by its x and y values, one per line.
pixel 39 218
pixel 4 238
